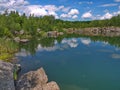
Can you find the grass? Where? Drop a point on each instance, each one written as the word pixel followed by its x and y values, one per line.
pixel 7 49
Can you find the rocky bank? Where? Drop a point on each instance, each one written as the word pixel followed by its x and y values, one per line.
pixel 95 31
pixel 33 80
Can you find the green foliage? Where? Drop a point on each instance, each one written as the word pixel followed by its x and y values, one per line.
pixel 7 49
pixel 47 42
pixel 9 23
pixel 15 75
pixel 111 40
pixel 5 56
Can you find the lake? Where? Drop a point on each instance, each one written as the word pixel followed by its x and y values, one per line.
pixel 80 63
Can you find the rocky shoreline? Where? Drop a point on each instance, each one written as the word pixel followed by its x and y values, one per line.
pixel 33 80
pixel 95 31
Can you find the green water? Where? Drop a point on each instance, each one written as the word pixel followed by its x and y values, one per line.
pixel 75 63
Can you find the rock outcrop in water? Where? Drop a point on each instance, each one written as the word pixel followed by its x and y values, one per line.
pixel 36 80
pixel 33 80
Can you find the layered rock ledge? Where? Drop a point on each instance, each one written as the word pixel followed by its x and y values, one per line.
pixel 33 80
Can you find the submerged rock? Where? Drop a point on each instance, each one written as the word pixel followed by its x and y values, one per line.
pixel 6 76
pixel 36 80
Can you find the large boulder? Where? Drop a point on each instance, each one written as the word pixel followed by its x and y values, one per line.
pixel 36 80
pixel 33 80
pixel 6 76
pixel 51 86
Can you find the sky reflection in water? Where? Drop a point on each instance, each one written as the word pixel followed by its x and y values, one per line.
pixel 77 64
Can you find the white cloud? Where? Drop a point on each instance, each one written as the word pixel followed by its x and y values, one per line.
pixel 53 13
pixel 40 48
pixel 38 10
pixel 73 43
pixel 64 9
pixel 1 1
pixel 86 2
pixel 87 15
pixel 73 12
pixel 11 9
pixel 50 7
pixel 109 5
pixel 65 16
pixel 53 48
pixel 116 13
pixel 35 10
pixel 61 7
pixel 20 2
pixel 86 41
pixel 12 4
pixel 65 43
pixel 106 16
pixel 23 6
pixel 97 17
pixel 74 17
pixel 117 0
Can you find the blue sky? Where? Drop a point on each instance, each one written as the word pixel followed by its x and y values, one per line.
pixel 64 9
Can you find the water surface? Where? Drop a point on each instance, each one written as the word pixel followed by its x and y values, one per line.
pixel 75 63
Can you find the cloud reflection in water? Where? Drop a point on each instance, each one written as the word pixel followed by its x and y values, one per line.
pixel 85 41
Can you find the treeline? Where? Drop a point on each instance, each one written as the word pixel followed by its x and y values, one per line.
pixel 13 22
pixel 114 21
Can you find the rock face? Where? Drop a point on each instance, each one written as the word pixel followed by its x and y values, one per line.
pixel 33 80
pixel 95 31
pixel 17 39
pixel 51 86
pixel 54 34
pixel 36 80
pixel 6 76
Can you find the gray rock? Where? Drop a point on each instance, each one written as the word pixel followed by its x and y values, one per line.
pixel 6 76
pixel 51 86
pixel 33 80
pixel 36 80
pixel 24 40
pixel 17 39
pixel 21 32
pixel 38 30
